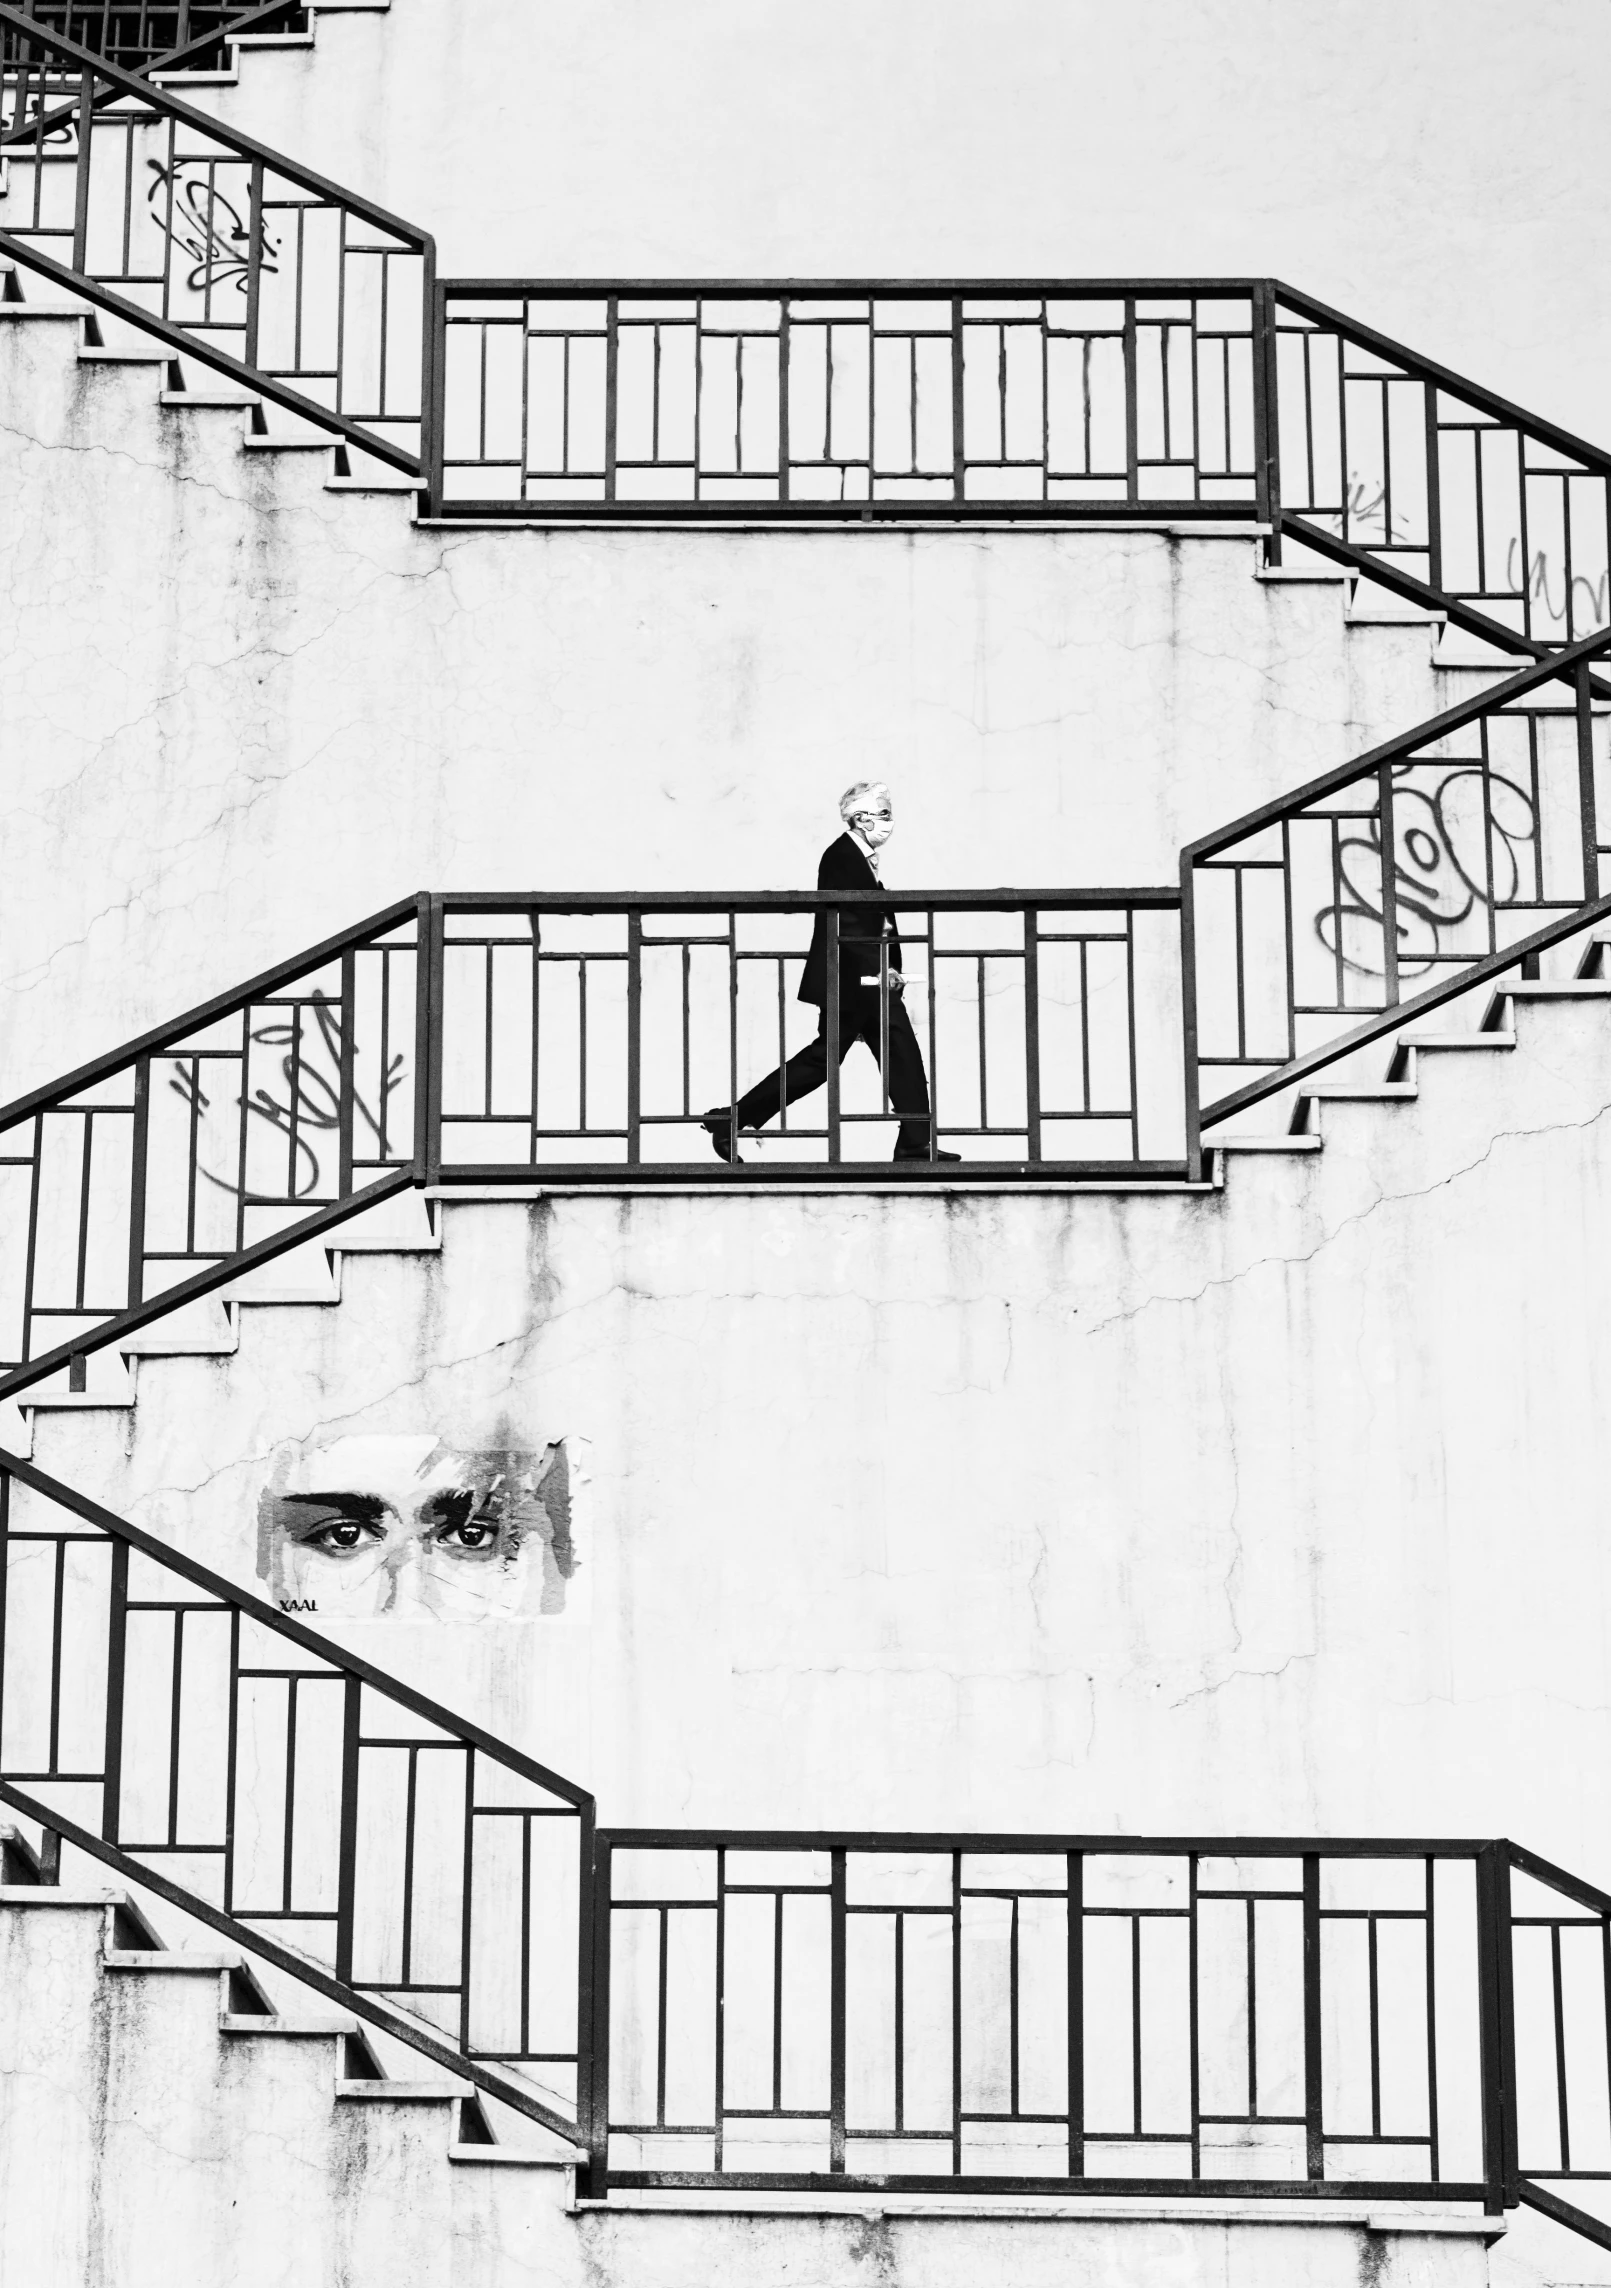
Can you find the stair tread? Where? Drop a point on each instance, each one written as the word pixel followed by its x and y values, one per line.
pixel 1494 1040
pixel 512 2157
pixel 55 1895
pixel 170 1959
pixel 404 2092
pixel 1361 1092
pixel 1264 1143
pixel 291 2029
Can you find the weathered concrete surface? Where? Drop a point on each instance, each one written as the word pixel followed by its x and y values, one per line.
pixel 243 710
pixel 142 2146
pixel 1271 1512
pixel 1374 155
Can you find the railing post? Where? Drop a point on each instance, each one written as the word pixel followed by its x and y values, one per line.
pixel 422 1036
pixel 137 1181
pixel 1313 2023
pixel 1585 783
pixel 836 2017
pixel 1266 435
pixel 634 1036
pixel 1389 851
pixel 117 1613
pixel 433 386
pixel 1188 1021
pixel 830 1026
pixel 1497 2023
pixel 1032 1029
pixel 81 181
pixel 347 1054
pixel 428 973
pixel 254 259
pixel 347 1875
pixel 1076 2013
pixel 593 2078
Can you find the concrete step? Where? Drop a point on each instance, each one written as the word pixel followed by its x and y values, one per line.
pixel 1347 1092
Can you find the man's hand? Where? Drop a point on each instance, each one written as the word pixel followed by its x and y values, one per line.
pixel 897 983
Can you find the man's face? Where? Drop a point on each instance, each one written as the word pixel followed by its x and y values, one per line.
pixel 401 1528
pixel 875 824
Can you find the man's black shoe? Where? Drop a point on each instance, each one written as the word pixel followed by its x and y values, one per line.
pixel 718 1126
pixel 924 1154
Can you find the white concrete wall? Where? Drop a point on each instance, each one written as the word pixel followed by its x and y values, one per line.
pixel 142 2146
pixel 1438 171
pixel 242 711
pixel 1276 1512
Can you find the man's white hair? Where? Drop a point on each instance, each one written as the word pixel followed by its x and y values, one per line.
pixel 862 796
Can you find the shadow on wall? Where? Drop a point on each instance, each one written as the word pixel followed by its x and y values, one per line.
pixel 420 1528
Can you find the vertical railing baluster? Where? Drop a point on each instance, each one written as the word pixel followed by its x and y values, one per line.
pixel 1192 1075
pixel 593 2076
pixel 347 1054
pixel 1032 1030
pixel 117 1616
pixel 139 1148
pixel 1389 843
pixel 1132 412
pixel 466 1913
pixel 1076 2013
pixel 1587 805
pixel 254 260
pixel 634 1036
pixel 347 1874
pixel 81 183
pixel 836 2011
pixel 831 1029
pixel 1496 2018
pixel 1313 2022
pixel 435 965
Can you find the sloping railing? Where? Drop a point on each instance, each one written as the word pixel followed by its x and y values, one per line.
pixel 152 35
pixel 385 1852
pixel 1259 2018
pixel 1446 857
pixel 213 244
pixel 1076 1035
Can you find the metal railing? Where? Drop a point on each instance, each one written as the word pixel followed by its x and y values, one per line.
pixel 581 1036
pixel 1450 855
pixel 1257 2018
pixel 152 35
pixel 214 244
pixel 1442 490
pixel 1064 1035
pixel 819 400
pixel 812 400
pixel 157 1173
pixel 469 1039
pixel 1263 2018
pixel 389 1854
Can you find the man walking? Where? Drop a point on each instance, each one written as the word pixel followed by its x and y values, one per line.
pixel 866 935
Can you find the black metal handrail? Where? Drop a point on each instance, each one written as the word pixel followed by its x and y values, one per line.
pixel 152 35
pixel 394 1857
pixel 214 244
pixel 1265 2017
pixel 1066 1035
pixel 462 1039
pixel 1251 2017
pixel 1458 852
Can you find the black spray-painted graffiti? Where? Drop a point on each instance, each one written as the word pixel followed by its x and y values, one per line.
pixel 198 218
pixel 307 1104
pixel 1459 853
pixel 1585 603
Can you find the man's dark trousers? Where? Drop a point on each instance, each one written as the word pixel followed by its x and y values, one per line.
pixel 808 1068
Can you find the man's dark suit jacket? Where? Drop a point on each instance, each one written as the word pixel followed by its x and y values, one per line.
pixel 844 867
